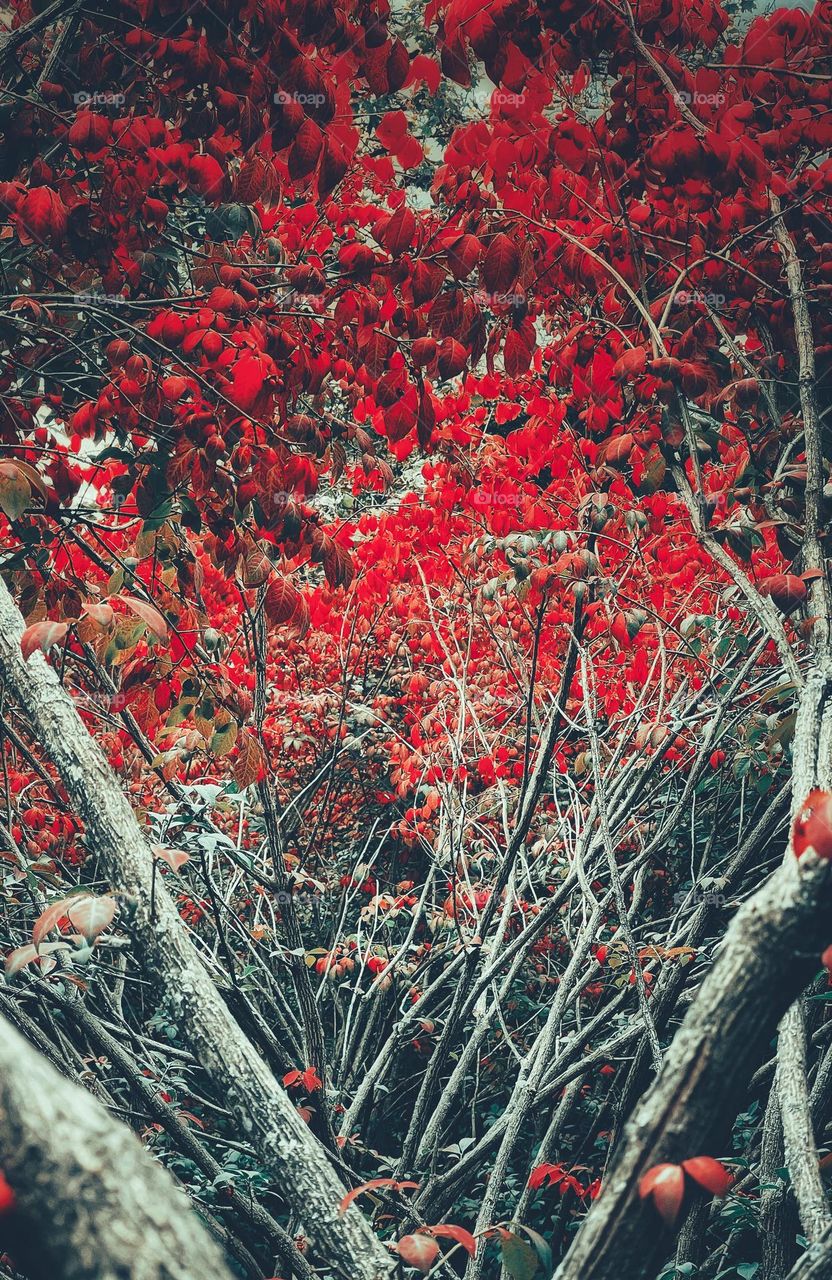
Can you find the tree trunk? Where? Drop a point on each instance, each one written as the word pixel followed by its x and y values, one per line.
pixel 266 1117
pixel 90 1203
pixel 770 953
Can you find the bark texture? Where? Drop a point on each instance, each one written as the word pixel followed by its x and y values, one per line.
pixel 770 953
pixel 265 1115
pixel 91 1204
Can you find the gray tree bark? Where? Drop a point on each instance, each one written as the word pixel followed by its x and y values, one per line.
pixel 265 1115
pixel 770 952
pixel 90 1203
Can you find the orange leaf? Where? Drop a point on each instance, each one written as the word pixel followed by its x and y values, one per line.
pixel 418 1251
pixel 175 858
pixel 665 1183
pixel 91 915
pixel 42 635
pixel 709 1173
pixel 149 615
pixel 250 765
pixel 370 1186
pixel 47 920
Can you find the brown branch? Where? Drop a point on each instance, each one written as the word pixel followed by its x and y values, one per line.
pixel 813 557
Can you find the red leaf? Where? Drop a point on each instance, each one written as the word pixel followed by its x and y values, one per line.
pixel 89 133
pixel 451 1232
pixel 344 1204
pixel 618 449
pixel 334 164
pixel 501 264
pixel 418 1251
pixel 310 1080
pixel 812 827
pixel 305 150
pixel 785 589
pixel 426 281
pixel 463 256
pixel 452 357
pixel 425 69
pixel 398 66
pixel 307 1079
pixel 392 130
pixel 206 176
pixel 709 1173
pixel 516 354
pixel 42 635
pixel 410 154
pixel 338 566
pixel 246 382
pixel 423 351
pixel 398 234
pixel 281 601
pixel 665 1184
pixel 43 215
pixel 544 1173
pixel 631 364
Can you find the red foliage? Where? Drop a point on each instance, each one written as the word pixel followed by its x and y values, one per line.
pixel 342 460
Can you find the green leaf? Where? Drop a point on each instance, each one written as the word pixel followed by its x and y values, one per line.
pixel 223 738
pixel 541 1248
pixel 519 1258
pixel 15 491
pixel 747 1270
pixel 190 514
